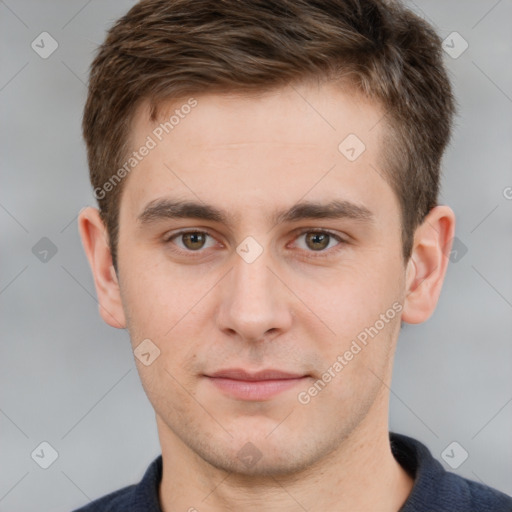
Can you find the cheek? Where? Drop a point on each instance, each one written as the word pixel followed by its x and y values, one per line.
pixel 161 297
pixel 352 297
pixel 355 367
pixel 363 308
pixel 170 393
pixel 167 309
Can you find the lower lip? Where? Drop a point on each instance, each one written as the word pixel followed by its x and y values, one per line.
pixel 254 390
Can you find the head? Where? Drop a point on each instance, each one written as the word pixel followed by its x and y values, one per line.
pixel 299 144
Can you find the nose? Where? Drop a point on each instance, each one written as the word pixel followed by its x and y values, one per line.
pixel 254 304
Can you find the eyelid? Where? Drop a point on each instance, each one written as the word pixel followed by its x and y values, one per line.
pixel 301 231
pixel 173 234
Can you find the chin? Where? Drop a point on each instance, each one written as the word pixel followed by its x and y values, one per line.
pixel 262 456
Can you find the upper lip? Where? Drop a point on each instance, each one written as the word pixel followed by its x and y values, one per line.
pixel 240 374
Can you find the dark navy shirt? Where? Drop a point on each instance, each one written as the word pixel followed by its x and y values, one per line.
pixel 435 489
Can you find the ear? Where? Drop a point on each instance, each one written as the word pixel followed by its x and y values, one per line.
pixel 96 245
pixel 427 265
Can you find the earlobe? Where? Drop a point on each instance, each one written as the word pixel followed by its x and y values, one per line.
pixel 427 266
pixel 96 246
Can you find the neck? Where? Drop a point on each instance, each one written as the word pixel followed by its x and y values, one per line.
pixel 361 474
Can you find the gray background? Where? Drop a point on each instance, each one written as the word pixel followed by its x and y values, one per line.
pixel 69 379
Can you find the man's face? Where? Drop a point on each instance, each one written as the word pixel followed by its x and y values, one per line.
pixel 216 308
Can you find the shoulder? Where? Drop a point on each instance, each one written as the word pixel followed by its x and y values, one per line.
pixel 479 497
pixel 440 490
pixel 118 500
pixel 141 497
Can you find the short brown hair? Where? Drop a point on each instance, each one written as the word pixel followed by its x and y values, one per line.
pixel 169 49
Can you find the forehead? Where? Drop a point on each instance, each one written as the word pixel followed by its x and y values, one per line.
pixel 308 112
pixel 259 150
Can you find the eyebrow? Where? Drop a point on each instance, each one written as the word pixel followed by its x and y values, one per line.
pixel 166 208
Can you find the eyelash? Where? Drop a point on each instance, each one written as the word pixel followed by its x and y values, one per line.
pixel 315 254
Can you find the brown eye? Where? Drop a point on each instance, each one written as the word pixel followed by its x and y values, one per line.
pixel 317 241
pixel 193 241
pixel 190 243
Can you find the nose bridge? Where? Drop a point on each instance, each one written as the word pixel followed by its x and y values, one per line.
pixel 253 303
pixel 253 278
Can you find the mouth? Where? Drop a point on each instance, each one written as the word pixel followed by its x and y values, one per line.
pixel 254 386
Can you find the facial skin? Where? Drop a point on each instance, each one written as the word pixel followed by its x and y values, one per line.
pixel 295 308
